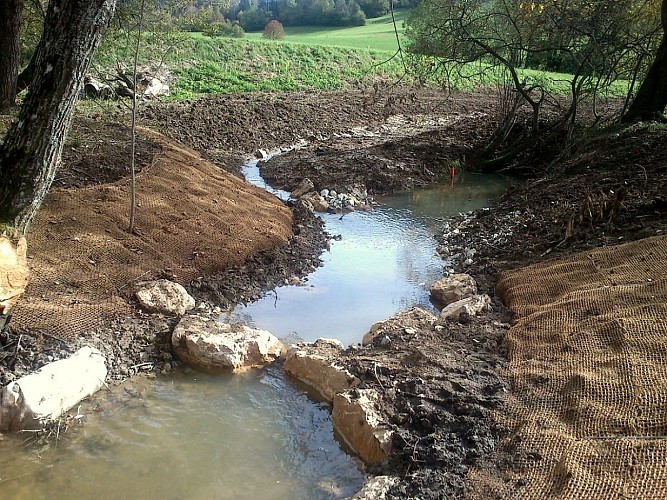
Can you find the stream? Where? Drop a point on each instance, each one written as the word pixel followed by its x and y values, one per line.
pixel 256 434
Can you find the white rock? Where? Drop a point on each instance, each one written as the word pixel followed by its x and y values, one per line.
pixel 212 346
pixel 315 365
pixel 166 297
pixel 453 288
pixel 357 420
pixel 155 88
pixel 14 272
pixel 324 193
pixel 413 320
pixel 306 186
pixel 43 396
pixel 376 488
pixel 471 306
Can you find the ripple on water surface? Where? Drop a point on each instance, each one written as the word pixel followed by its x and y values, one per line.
pixel 191 436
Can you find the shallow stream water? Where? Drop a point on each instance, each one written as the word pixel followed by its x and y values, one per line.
pixel 257 434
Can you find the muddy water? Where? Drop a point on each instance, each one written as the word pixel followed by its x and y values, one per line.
pixel 189 436
pixel 254 435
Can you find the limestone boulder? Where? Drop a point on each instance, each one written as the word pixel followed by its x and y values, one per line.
pixel 14 272
pixel 211 346
pixel 316 365
pixel 376 488
pixel 359 423
pixel 453 288
pixel 401 323
pixel 471 306
pixel 154 87
pixel 165 297
pixel 317 201
pixel 43 396
pixel 306 186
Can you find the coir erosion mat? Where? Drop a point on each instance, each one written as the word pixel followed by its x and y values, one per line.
pixel 587 412
pixel 192 219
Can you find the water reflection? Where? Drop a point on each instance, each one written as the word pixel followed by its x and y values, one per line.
pixel 383 263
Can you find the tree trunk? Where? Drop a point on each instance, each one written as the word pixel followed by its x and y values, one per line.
pixel 11 12
pixel 30 154
pixel 652 94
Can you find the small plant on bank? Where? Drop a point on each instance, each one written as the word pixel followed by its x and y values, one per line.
pixel 274 30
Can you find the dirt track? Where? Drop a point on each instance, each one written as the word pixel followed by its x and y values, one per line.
pixel 531 223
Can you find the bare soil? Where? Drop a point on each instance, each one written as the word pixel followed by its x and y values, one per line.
pixel 439 387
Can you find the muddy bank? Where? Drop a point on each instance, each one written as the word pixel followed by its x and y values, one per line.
pixel 439 385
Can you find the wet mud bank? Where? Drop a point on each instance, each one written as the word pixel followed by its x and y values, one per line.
pixel 437 379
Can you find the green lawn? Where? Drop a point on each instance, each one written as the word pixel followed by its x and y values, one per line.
pixel 378 34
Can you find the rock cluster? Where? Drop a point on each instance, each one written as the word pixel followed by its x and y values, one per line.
pixel 458 292
pixel 328 200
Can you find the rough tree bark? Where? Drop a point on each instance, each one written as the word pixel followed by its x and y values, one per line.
pixel 30 154
pixel 11 15
pixel 651 97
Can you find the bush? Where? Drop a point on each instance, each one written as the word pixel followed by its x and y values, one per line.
pixel 225 28
pixel 274 30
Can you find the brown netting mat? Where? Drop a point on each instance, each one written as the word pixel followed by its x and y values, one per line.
pixel 192 219
pixel 587 413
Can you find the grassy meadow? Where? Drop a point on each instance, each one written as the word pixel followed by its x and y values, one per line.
pixel 378 34
pixel 308 58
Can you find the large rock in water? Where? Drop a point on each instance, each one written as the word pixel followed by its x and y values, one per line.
pixel 358 422
pixel 211 346
pixel 453 288
pixel 165 297
pixel 43 396
pixel 315 364
pixel 306 186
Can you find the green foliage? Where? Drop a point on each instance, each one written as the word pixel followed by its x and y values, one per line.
pixel 224 28
pixel 374 8
pixel 254 19
pixel 377 34
pixel 596 42
pixel 274 31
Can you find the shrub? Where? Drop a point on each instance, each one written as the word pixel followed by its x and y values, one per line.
pixel 225 28
pixel 274 30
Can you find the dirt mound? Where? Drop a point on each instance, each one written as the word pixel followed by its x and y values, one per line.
pixel 192 220
pixel 402 154
pixel 588 373
pixel 222 126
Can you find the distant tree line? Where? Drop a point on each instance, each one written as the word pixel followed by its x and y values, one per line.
pixel 254 15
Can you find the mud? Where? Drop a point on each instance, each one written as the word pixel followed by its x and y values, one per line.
pixel 439 385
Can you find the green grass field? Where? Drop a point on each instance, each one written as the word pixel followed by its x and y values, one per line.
pixel 377 34
pixel 308 58
pixel 225 65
